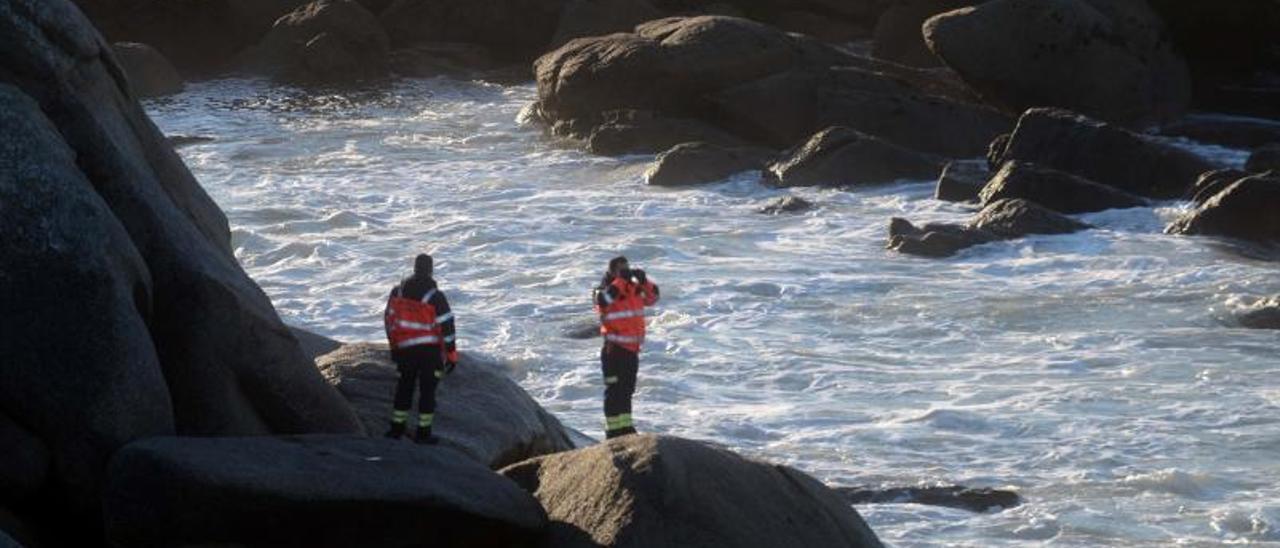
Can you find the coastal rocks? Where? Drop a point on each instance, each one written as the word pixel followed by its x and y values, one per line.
pixel 643 490
pixel 326 41
pixel 1264 315
pixel 1245 209
pixel 898 37
pixel 665 66
pixel 100 214
pixel 581 18
pixel 150 74
pixel 1104 153
pixel 479 409
pixel 1105 58
pixel 786 108
pixel 697 163
pixel 955 496
pixel 961 181
pixel 514 30
pixel 840 156
pixel 1001 220
pixel 642 132
pixel 1265 158
pixel 1056 190
pixel 1211 183
pixel 786 204
pixel 310 491
pixel 1228 131
pixel 24 463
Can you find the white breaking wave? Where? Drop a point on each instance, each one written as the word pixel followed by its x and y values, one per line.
pixel 1095 373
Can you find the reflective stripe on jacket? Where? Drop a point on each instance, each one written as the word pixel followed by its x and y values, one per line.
pixel 412 322
pixel 621 307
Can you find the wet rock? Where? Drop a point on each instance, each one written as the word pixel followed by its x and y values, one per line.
pixel 479 409
pixel 200 38
pixel 179 141
pixel 102 215
pixel 514 30
pixel 1228 131
pixel 639 132
pixel 310 491
pixel 324 42
pixel 149 73
pixel 1104 153
pixel 995 151
pixel 666 66
pixel 1245 209
pixel 786 108
pixel 1002 220
pixel 1105 58
pixel 786 204
pixel 956 496
pixel 961 181
pixel 898 37
pixel 584 328
pixel 1264 315
pixel 1265 158
pixel 1056 190
pixel 440 59
pixel 24 463
pixel 644 490
pixel 1211 183
pixel 583 18
pixel 698 163
pixel 841 156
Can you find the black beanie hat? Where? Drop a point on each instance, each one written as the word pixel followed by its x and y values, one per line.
pixel 614 262
pixel 423 265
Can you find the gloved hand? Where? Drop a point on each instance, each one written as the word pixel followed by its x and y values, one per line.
pixel 448 367
pixel 639 275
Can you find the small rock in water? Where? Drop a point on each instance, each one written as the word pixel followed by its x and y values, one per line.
pixel 178 141
pixel 786 204
pixel 586 328
pixel 955 496
pixel 1264 316
pixel 961 181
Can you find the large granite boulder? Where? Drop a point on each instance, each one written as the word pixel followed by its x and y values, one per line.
pixel 100 214
pixel 666 66
pixel 310 491
pixel 515 30
pixel 1056 190
pixel 324 42
pixel 898 35
pixel 479 409
pixel 647 491
pixel 1105 58
pixel 1104 153
pixel 1245 209
pixel 149 73
pixel 1002 220
pixel 697 163
pixel 840 156
pixel 200 38
pixel 906 109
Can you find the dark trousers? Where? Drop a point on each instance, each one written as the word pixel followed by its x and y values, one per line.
pixel 421 365
pixel 619 366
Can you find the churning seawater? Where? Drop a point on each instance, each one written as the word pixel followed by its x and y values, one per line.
pixel 1098 374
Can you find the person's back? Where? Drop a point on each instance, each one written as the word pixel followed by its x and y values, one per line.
pixel 420 330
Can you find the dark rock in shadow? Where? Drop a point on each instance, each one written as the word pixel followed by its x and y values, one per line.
pixel 786 204
pixel 840 156
pixel 1210 183
pixel 1263 315
pixel 643 132
pixel 150 74
pixel 1228 131
pixel 1245 209
pixel 585 328
pixel 961 181
pixel 179 141
pixel 1056 190
pixel 324 42
pixel 698 163
pixel 963 498
pixel 1001 220
pixel 1264 158
pixel 314 345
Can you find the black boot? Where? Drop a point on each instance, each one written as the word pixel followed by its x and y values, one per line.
pixel 396 431
pixel 424 437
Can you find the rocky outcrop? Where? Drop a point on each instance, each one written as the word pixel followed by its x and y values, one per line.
pixel 479 409
pixel 1104 153
pixel 666 66
pixel 840 156
pixel 951 496
pixel 1210 183
pixel 514 30
pixel 786 108
pixel 642 132
pixel 583 18
pixel 310 491
pixel 642 490
pixel 1056 190
pixel 786 204
pixel 326 41
pixel 697 163
pixel 1263 315
pixel 24 463
pixel 1245 209
pixel 1105 58
pixel 1002 220
pixel 200 38
pixel 149 73
pixel 100 214
pixel 961 181
pixel 898 35
pixel 1264 158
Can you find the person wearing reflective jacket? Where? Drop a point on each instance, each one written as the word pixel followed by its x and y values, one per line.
pixel 620 300
pixel 420 329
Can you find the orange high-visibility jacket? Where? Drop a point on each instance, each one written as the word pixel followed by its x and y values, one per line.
pixel 621 308
pixel 412 322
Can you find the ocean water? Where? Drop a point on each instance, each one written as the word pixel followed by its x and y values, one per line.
pixel 1098 374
